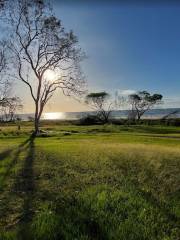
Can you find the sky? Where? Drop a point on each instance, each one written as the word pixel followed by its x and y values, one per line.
pixel 129 47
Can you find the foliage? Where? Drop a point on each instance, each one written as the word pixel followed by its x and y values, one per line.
pixel 99 101
pixel 142 102
pixel 89 120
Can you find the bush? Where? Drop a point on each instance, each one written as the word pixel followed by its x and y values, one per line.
pixel 89 120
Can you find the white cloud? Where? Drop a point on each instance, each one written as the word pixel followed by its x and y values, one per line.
pixel 126 92
pixel 172 102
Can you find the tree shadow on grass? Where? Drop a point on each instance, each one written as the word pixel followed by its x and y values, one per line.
pixel 13 162
pixel 5 154
pixel 24 187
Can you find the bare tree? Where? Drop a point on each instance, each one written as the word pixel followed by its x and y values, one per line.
pixel 2 57
pixel 47 57
pixel 9 104
pixel 99 101
pixel 4 84
pixel 9 107
pixel 143 101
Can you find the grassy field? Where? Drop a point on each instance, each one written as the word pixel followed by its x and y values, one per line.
pixel 90 182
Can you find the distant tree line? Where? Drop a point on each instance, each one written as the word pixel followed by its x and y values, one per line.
pixel 139 103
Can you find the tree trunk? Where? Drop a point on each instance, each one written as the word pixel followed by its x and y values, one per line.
pixel 138 117
pixel 36 126
pixel 36 119
pixel 38 114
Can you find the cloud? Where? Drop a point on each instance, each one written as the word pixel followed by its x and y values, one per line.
pixel 126 92
pixel 172 102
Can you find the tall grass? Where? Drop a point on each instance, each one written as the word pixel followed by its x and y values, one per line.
pixel 90 185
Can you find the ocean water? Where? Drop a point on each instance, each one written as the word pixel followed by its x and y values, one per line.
pixel 151 114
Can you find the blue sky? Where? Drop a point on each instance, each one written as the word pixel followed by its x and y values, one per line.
pixel 128 46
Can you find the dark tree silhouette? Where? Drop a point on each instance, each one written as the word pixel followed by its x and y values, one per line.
pixel 9 107
pixel 99 101
pixel 46 57
pixel 143 101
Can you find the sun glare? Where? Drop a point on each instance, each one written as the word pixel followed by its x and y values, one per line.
pixel 53 115
pixel 50 75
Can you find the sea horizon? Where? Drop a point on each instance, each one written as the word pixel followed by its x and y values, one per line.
pixel 116 114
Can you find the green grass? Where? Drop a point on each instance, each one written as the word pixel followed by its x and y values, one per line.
pixel 90 182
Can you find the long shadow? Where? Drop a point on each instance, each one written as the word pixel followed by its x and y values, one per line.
pixel 24 187
pixel 7 152
pixel 13 162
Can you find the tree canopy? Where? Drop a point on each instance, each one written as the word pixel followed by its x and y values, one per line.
pixel 142 101
pixel 99 101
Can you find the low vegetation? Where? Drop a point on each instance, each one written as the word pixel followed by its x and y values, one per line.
pixel 90 182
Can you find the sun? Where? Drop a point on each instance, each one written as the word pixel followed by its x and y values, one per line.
pixel 54 115
pixel 50 75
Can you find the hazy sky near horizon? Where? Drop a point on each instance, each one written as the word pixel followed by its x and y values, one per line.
pixel 129 47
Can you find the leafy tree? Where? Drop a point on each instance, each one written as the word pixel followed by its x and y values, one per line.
pixel 46 57
pixel 99 101
pixel 143 101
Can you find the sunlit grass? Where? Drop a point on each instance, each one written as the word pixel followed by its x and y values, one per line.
pixel 90 184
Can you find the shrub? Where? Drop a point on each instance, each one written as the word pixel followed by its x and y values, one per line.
pixel 89 120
